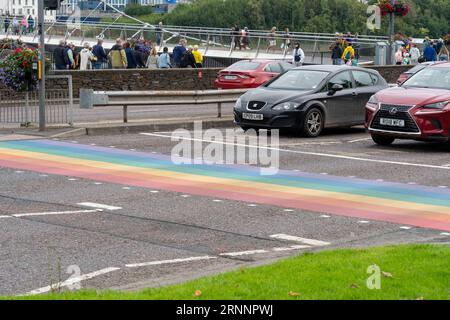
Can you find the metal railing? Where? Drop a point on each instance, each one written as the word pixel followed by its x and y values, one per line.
pixel 23 107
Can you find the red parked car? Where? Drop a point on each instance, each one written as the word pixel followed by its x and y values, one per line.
pixel 408 74
pixel 250 73
pixel 419 109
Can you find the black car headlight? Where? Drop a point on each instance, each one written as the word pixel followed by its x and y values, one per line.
pixel 437 105
pixel 286 106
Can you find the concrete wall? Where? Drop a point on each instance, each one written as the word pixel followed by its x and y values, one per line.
pixel 169 79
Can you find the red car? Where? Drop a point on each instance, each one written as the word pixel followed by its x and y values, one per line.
pixel 419 109
pixel 250 73
pixel 408 74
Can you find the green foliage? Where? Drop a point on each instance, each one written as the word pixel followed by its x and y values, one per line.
pixel 138 10
pixel 427 17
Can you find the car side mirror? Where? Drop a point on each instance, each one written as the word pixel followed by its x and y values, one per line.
pixel 335 88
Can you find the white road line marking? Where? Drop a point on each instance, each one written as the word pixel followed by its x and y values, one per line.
pixel 43 175
pixel 18 171
pixel 185 195
pixel 93 144
pixel 98 183
pixel 364 222
pixel 154 191
pixel 252 205
pixel 72 179
pixel 217 200
pixel 72 281
pixel 359 140
pixel 445 234
pixel 112 147
pixel 126 188
pixel 406 228
pixel 443 187
pixel 325 216
pixel 35 214
pixel 298 239
pixel 162 262
pixel 290 248
pixel 329 155
pixel 243 253
pixel 99 206
pixel 288 210
pixel 412 183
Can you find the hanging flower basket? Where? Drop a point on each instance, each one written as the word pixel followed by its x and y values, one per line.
pixel 399 8
pixel 16 70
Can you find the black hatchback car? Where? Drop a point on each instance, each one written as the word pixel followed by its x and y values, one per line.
pixel 309 99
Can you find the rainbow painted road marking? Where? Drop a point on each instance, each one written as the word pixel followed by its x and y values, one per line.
pixel 392 202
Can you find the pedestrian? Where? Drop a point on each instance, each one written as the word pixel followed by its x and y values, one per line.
pixel 272 39
pixel 188 60
pixel 235 32
pixel 336 52
pixel 430 53
pixel 16 26
pixel 287 40
pixel 24 25
pixel 414 53
pixel 131 60
pixel 70 49
pixel 198 57
pixel 60 58
pixel 152 61
pixel 158 30
pixel 356 46
pixel 138 56
pixel 178 53
pixel 99 52
pixel 30 24
pixel 444 54
pixel 164 59
pixel 244 41
pixel 86 57
pixel 439 45
pixel 349 54
pixel 399 55
pixel 298 56
pixel 7 23
pixel 117 56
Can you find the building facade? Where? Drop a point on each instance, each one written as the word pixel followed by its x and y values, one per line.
pixel 21 8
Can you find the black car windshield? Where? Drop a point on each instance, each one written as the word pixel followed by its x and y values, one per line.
pixel 245 66
pixel 436 78
pixel 299 80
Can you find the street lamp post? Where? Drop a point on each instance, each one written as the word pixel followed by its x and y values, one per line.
pixel 392 35
pixel 41 65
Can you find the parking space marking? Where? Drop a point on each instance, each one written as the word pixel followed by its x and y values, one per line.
pixel 291 248
pixel 318 154
pixel 71 281
pixel 173 261
pixel 311 242
pixel 99 206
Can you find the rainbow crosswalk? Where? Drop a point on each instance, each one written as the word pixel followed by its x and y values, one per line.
pixel 392 202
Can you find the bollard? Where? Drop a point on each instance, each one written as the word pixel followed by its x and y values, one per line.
pixel 125 114
pixel 219 110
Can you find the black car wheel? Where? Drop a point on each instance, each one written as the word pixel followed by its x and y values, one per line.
pixel 382 140
pixel 313 123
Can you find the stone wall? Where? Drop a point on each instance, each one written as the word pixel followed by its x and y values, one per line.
pixel 141 79
pixel 168 79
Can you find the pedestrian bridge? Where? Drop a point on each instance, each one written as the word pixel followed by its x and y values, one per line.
pixel 213 42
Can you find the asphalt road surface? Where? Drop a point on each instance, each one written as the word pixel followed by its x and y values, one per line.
pixel 115 212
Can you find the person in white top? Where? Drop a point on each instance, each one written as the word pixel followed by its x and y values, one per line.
pixel 298 56
pixel 414 53
pixel 86 57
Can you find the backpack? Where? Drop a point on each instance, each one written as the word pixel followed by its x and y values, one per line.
pixel 185 59
pixel 297 56
pixel 348 56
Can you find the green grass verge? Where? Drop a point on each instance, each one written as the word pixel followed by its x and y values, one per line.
pixel 408 272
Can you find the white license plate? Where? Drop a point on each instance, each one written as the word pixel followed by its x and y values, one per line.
pixel 253 116
pixel 230 77
pixel 392 122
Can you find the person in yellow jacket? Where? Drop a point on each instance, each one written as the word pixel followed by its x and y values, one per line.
pixel 117 56
pixel 198 57
pixel 349 54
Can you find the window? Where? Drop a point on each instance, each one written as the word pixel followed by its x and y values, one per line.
pixel 343 79
pixel 375 79
pixel 244 65
pixel 362 79
pixel 299 80
pixel 273 67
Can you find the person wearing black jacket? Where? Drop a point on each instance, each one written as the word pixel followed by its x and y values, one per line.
pixel 188 59
pixel 7 23
pixel 60 57
pixel 336 52
pixel 138 56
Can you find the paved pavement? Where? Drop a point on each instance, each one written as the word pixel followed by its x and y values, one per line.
pixel 117 213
